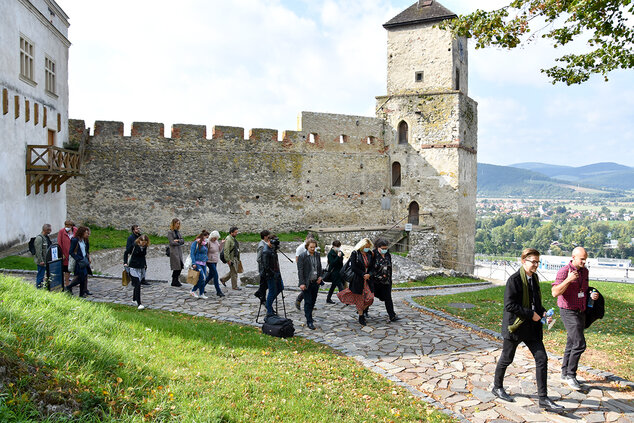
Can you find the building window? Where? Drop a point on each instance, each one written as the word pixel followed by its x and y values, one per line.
pixel 26 59
pixel 49 70
pixel 396 174
pixel 402 132
pixel 418 77
pixel 343 139
pixel 457 79
pixel 413 215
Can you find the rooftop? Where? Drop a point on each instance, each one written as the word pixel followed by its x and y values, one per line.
pixel 422 11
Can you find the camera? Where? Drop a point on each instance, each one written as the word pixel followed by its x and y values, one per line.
pixel 275 242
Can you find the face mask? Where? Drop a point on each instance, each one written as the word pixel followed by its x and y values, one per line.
pixel 366 250
pixel 335 248
pixel 383 251
pixel 68 229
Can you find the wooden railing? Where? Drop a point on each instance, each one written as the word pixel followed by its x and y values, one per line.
pixel 48 167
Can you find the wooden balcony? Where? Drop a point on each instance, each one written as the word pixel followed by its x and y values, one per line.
pixel 48 167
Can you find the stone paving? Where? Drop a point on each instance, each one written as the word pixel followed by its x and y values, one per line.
pixel 441 362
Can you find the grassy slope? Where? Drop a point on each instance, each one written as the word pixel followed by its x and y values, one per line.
pixel 610 340
pixel 113 363
pixel 437 281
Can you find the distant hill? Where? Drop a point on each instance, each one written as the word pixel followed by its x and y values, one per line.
pixel 507 181
pixel 599 175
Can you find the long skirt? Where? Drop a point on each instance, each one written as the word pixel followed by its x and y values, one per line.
pixel 360 301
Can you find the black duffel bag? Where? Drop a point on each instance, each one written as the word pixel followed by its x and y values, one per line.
pixel 278 326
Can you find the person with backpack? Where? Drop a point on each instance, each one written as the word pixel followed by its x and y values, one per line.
pixel 335 263
pixel 40 247
pixel 135 263
pixel 231 253
pixel 64 237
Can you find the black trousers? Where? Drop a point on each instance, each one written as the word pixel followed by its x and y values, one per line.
pixel 175 275
pixel 136 294
pixel 384 293
pixel 335 284
pixel 82 281
pixel 541 361
pixel 575 323
pixel 261 292
pixel 310 297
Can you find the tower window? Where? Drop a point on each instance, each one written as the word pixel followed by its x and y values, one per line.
pixel 396 174
pixel 418 76
pixel 413 215
pixel 403 132
pixel 457 79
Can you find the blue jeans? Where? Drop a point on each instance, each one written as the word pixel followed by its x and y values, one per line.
pixel 41 271
pixel 201 279
pixel 274 289
pixel 213 273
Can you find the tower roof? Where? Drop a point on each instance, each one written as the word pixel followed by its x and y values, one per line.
pixel 422 11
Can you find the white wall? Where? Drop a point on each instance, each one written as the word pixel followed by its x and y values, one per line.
pixel 22 216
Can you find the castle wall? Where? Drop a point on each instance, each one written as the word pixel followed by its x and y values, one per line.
pixel 298 182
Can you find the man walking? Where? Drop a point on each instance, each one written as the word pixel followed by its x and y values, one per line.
pixel 521 322
pixel 571 289
pixel 41 243
pixel 232 255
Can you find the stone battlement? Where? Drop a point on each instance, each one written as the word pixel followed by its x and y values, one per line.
pixel 320 129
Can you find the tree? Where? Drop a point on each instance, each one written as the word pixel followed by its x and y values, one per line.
pixel 608 23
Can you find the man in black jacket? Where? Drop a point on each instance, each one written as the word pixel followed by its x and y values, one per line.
pixel 521 322
pixel 270 271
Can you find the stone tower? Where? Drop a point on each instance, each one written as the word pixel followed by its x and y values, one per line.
pixel 433 155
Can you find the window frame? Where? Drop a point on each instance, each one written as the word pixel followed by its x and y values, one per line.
pixel 27 60
pixel 50 76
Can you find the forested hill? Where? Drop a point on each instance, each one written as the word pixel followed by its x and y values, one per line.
pixel 505 181
pixel 599 175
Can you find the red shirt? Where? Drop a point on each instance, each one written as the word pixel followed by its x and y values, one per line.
pixel 570 298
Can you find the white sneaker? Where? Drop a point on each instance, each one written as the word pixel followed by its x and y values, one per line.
pixel 204 297
pixel 141 307
pixel 193 294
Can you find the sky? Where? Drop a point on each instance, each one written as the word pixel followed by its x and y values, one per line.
pixel 259 63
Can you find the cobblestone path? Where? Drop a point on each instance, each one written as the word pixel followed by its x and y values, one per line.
pixel 452 366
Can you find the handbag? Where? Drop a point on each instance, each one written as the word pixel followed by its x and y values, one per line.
pixel 167 251
pixel 346 272
pixel 239 268
pixel 125 278
pixel 192 276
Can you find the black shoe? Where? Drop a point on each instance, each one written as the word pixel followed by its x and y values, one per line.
pixel 394 318
pixel 84 295
pixel 144 283
pixel 220 294
pixel 177 284
pixel 362 319
pixel 298 305
pixel 501 394
pixel 549 404
pixel 88 293
pixel 329 301
pixel 310 326
pixel 365 313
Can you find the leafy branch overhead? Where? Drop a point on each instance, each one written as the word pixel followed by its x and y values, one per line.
pixel 608 24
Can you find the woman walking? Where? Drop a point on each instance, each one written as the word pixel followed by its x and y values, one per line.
pixel 134 261
pixel 309 272
pixel 382 277
pixel 176 242
pixel 198 254
pixel 359 293
pixel 213 254
pixel 79 250
pixel 335 263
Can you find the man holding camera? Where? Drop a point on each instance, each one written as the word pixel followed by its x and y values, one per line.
pixel 270 271
pixel 261 292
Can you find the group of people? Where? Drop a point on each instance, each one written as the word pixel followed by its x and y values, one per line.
pixel 524 315
pixel 75 247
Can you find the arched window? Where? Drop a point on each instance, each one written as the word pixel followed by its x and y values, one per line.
pixel 396 174
pixel 413 213
pixel 402 132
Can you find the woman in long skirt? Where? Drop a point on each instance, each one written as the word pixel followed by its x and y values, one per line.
pixel 360 293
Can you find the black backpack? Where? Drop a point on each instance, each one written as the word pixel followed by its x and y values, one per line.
pixel 222 256
pixel 278 326
pixel 32 245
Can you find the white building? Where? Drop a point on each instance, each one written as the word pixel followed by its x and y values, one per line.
pixel 33 111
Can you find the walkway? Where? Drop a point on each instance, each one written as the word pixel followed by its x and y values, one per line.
pixel 426 354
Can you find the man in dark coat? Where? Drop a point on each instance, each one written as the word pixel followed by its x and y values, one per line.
pixel 521 322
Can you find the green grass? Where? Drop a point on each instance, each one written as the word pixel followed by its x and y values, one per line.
pixel 437 280
pixel 113 363
pixel 18 262
pixel 610 340
pixel 106 238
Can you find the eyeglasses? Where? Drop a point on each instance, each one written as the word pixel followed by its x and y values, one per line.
pixel 533 262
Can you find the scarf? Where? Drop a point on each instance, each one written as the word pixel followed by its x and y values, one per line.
pixel 525 300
